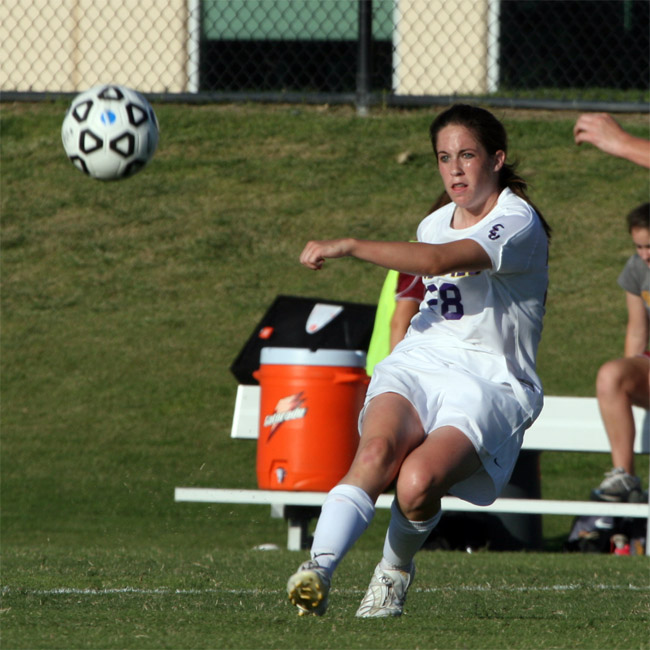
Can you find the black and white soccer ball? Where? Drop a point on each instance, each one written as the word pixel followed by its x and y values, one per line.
pixel 110 132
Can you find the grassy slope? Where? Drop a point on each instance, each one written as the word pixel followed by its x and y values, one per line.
pixel 123 304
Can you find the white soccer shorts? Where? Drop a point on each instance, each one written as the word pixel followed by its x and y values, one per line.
pixel 446 393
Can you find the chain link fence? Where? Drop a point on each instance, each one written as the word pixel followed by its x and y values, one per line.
pixel 547 53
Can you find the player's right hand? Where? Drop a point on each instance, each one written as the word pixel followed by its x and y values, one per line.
pixel 316 252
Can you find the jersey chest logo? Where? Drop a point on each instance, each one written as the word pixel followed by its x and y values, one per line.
pixel 494 232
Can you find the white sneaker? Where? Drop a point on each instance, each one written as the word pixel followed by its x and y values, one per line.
pixel 386 593
pixel 308 588
pixel 617 485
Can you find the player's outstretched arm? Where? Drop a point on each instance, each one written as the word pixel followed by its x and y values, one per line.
pixel 406 257
pixel 602 130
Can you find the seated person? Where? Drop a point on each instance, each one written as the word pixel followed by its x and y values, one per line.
pixel 625 382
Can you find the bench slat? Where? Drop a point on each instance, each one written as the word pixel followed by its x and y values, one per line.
pixel 574 424
pixel 520 506
pixel 565 424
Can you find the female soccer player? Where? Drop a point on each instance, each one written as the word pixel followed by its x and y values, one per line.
pixel 446 411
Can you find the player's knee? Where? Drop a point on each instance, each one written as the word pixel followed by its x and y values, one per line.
pixel 375 455
pixel 418 488
pixel 609 378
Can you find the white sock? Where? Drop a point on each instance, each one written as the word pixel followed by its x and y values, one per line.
pixel 404 538
pixel 345 515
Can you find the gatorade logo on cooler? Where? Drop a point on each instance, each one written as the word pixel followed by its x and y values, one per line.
pixel 287 408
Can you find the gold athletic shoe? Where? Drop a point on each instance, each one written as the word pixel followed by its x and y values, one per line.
pixel 308 588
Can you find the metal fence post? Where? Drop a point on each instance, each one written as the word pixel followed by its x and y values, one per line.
pixel 363 56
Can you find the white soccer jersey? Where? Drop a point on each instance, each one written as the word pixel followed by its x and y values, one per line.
pixel 495 313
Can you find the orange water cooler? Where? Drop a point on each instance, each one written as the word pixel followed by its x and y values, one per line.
pixel 309 408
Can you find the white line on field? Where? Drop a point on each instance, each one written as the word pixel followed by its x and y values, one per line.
pixel 163 591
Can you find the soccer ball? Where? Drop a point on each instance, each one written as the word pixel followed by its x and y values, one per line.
pixel 110 132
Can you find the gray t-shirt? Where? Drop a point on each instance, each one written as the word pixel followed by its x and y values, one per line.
pixel 635 278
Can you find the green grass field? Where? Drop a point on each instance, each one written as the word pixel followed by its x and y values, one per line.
pixel 123 306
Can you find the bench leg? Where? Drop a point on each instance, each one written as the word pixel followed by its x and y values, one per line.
pixel 297 534
pixel 298 518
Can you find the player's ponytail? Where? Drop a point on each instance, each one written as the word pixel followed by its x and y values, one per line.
pixel 508 177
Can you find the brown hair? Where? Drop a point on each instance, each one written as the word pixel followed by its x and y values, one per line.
pixel 639 217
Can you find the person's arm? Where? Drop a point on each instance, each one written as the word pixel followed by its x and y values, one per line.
pixel 406 257
pixel 409 293
pixel 602 130
pixel 401 319
pixel 636 335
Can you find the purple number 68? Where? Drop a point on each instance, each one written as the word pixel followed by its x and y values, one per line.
pixel 449 296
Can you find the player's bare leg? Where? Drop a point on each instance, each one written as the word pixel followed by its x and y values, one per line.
pixel 391 429
pixel 445 457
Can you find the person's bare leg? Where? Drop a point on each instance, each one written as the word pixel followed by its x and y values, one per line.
pixel 445 457
pixel 391 428
pixel 620 384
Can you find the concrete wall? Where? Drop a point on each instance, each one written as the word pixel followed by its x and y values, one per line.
pixel 441 47
pixel 71 45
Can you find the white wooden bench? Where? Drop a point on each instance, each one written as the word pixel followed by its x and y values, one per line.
pixel 566 424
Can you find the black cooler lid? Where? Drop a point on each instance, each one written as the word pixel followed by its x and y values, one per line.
pixel 299 322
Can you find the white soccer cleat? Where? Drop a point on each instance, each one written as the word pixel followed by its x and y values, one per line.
pixel 308 588
pixel 386 593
